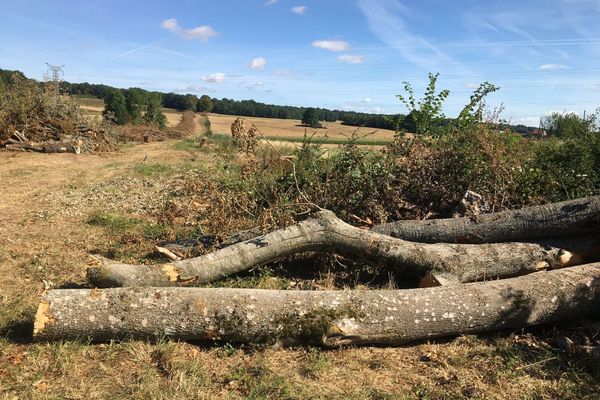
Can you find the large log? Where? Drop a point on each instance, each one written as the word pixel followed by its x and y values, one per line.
pixel 566 218
pixel 328 318
pixel 45 147
pixel 325 232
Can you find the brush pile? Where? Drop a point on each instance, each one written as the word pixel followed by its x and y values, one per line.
pixel 36 117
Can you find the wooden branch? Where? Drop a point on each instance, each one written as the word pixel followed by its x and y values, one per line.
pixel 573 217
pixel 44 147
pixel 328 318
pixel 325 232
pixel 20 136
pixel 567 218
pixel 168 253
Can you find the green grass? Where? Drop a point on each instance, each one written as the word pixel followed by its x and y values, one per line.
pixel 220 138
pixel 153 169
pixel 319 140
pixel 193 144
pixel 187 145
pixel 366 142
pixel 116 223
pixel 119 224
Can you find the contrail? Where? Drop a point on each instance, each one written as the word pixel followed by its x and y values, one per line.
pixel 128 52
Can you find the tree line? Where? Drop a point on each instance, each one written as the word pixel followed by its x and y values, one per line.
pixel 246 108
pixel 137 101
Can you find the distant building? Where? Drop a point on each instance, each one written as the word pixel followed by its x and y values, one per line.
pixel 539 133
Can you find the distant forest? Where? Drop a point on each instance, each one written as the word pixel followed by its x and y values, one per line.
pixel 246 108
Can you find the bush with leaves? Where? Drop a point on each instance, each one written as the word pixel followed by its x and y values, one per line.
pixel 153 114
pixel 425 115
pixel 568 169
pixel 569 124
pixel 311 118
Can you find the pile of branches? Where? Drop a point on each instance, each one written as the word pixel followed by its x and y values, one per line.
pixel 151 133
pixel 35 117
pixel 84 140
pixel 495 271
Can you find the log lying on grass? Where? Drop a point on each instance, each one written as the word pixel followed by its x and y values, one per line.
pixel 46 147
pixel 325 232
pixel 566 218
pixel 328 318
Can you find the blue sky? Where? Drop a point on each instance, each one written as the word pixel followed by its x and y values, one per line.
pixel 545 55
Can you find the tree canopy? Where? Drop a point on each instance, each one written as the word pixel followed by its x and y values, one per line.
pixel 311 118
pixel 115 107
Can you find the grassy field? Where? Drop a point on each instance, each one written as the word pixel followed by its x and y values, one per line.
pixel 290 130
pixel 278 131
pixel 63 207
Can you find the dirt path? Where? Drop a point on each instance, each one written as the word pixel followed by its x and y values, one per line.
pixel 41 244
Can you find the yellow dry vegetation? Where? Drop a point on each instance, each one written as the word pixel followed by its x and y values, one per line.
pixel 292 128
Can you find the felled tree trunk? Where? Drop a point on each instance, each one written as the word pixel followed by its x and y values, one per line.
pixel 45 147
pixel 449 262
pixel 566 218
pixel 329 318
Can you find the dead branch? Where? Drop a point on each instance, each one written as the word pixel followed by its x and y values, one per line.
pixel 327 233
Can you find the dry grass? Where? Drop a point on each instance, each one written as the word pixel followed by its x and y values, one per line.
pixel 291 128
pixel 46 205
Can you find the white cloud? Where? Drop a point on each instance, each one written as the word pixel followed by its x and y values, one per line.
pixel 529 121
pixel 331 45
pixel 377 110
pixel 367 100
pixel 170 24
pixel 299 9
pixel 217 77
pixel 202 33
pixel 351 59
pixel 258 63
pixel 552 67
pixel 283 72
pixel 471 85
pixel 270 2
pixel 194 89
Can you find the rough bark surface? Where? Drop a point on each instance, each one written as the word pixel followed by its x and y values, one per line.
pixel 454 262
pixel 567 218
pixel 329 318
pixel 46 147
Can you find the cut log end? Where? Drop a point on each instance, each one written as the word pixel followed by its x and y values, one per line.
pixel 42 317
pixel 436 279
pixel 171 272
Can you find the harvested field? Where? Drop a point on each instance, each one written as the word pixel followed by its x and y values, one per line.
pixel 291 130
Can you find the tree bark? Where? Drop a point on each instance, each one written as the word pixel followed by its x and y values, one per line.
pixel 567 218
pixel 45 147
pixel 328 318
pixel 450 262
